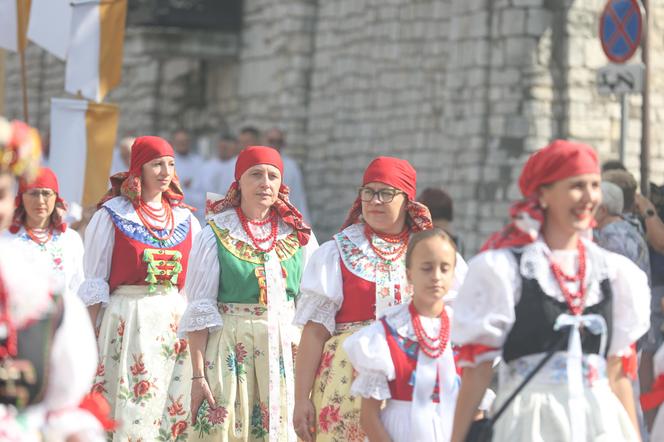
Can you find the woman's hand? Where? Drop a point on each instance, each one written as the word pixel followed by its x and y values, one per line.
pixel 304 420
pixel 200 391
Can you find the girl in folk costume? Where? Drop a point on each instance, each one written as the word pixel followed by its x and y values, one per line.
pixel 38 223
pixel 547 289
pixel 47 348
pixel 406 357
pixel 137 249
pixel 655 397
pixel 348 284
pixel 243 278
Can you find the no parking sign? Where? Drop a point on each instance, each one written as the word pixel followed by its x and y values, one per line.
pixel 620 29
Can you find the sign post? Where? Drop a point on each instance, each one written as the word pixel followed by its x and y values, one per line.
pixel 620 32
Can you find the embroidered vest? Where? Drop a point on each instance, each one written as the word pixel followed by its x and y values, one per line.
pixel 404 353
pixel 24 378
pixel 140 259
pixel 242 272
pixel 536 315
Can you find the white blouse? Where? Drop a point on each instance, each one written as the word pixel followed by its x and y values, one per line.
pixel 74 350
pixel 64 253
pixel 369 352
pixel 485 307
pixel 203 272
pixel 99 242
pixel 322 284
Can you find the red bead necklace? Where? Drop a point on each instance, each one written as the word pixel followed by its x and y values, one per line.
pixel 388 255
pixel 432 346
pixel 10 346
pixel 575 301
pixel 257 241
pixel 34 237
pixel 166 218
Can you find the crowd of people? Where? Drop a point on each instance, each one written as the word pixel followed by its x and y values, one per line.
pixel 233 323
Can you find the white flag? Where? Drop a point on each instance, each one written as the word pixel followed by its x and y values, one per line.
pixel 82 139
pixel 94 58
pixel 49 27
pixel 13 23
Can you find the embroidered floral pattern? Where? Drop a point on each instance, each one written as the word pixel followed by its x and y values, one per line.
pixel 176 428
pixel 286 247
pixel 208 418
pixel 260 420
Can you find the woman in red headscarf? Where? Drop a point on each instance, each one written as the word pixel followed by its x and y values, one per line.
pixel 38 223
pixel 242 281
pixel 349 283
pixel 543 288
pixel 137 249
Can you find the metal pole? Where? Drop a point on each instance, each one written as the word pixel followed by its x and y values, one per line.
pixel 645 106
pixel 624 125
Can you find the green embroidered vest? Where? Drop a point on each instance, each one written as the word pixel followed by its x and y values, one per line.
pixel 242 274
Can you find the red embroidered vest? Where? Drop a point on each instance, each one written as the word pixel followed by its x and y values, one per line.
pixel 139 259
pixel 359 302
pixel 404 357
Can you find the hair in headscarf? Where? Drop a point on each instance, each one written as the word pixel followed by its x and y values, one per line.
pixel 20 149
pixel 128 184
pixel 401 175
pixel 559 160
pixel 253 156
pixel 46 179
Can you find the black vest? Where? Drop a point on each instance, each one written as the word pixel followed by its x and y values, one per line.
pixel 536 314
pixel 23 379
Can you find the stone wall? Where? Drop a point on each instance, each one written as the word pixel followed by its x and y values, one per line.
pixel 464 89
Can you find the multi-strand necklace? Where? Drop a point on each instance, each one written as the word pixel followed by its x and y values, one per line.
pixel 163 216
pixel 39 236
pixel 575 301
pixel 390 254
pixel 432 346
pixel 258 242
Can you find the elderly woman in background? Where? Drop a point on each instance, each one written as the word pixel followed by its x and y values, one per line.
pixel 616 234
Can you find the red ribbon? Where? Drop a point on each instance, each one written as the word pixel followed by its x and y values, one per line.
pixel 655 396
pixel 469 352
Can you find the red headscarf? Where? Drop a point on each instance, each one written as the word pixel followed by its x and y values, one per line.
pixel 252 156
pixel 401 175
pixel 128 184
pixel 559 160
pixel 46 179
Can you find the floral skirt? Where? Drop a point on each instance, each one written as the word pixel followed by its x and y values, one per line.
pixel 138 350
pixel 337 412
pixel 236 368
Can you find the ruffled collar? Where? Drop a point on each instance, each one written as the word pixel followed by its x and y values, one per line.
pixel 123 208
pixel 535 264
pixel 398 318
pixel 229 220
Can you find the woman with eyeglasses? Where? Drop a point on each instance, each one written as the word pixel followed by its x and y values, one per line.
pixel 349 283
pixel 136 254
pixel 38 223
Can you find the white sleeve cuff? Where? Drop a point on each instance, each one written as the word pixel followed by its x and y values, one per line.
pixel 199 315
pixel 316 308
pixel 94 291
pixel 371 384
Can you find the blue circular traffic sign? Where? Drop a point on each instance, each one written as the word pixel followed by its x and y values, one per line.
pixel 620 29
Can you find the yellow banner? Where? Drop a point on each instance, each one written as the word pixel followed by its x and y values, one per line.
pixel 112 17
pixel 101 127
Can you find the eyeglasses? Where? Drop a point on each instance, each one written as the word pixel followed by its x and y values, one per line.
pixel 36 193
pixel 384 195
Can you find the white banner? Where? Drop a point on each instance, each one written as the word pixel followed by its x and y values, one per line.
pixel 8 25
pixel 50 25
